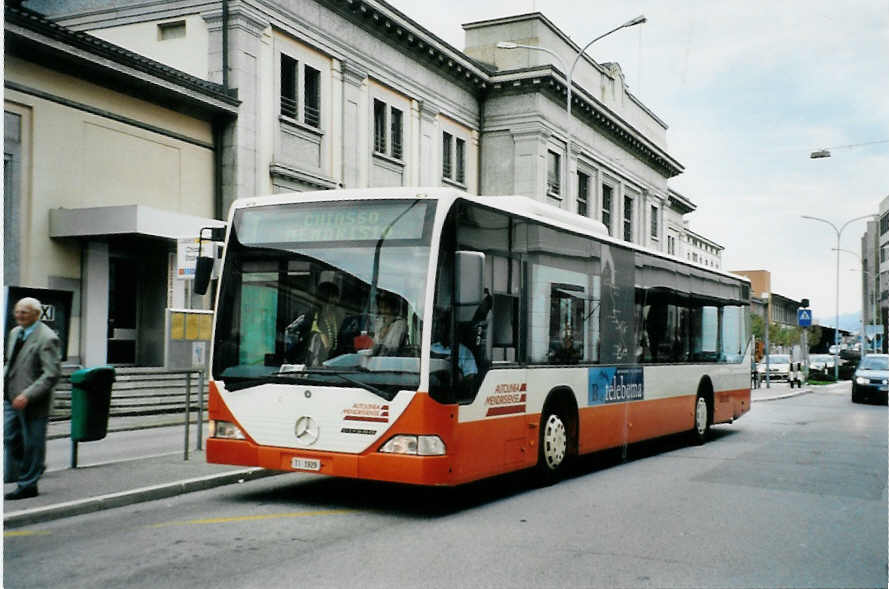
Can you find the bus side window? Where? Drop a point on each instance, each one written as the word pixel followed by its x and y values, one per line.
pixel 482 329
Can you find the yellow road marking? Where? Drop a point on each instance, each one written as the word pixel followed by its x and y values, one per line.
pixel 14 533
pixel 244 518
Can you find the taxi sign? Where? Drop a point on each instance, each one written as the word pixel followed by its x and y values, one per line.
pixel 804 317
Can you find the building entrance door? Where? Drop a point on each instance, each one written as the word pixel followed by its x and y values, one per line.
pixel 123 296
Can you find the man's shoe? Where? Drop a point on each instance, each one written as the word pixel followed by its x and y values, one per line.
pixel 22 493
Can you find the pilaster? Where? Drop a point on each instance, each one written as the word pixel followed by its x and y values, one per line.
pixel 430 144
pixel 94 303
pixel 530 160
pixel 353 132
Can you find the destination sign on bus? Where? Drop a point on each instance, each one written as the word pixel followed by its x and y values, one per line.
pixel 332 222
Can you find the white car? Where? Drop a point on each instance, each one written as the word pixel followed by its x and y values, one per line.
pixel 779 367
pixel 820 361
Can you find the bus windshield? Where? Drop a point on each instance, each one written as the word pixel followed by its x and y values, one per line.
pixel 325 293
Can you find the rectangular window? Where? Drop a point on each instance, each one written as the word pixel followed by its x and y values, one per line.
pixel 460 155
pixel 446 155
pixel 654 224
pixel 628 218
pixel 379 126
pixel 884 223
pixel 312 93
pixel 171 30
pixel 288 86
pixel 583 191
pixel 671 245
pixel 397 134
pixel 553 173
pixel 607 192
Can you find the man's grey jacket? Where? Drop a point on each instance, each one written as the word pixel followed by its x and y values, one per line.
pixel 36 369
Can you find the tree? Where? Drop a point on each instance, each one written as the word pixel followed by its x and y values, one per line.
pixel 756 326
pixel 815 335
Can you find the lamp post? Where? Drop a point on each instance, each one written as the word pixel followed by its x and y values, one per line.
pixel 570 71
pixel 868 273
pixel 836 332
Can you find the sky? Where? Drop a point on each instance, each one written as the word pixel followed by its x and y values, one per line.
pixel 749 88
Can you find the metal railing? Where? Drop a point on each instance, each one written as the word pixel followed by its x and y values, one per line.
pixel 200 420
pixel 288 107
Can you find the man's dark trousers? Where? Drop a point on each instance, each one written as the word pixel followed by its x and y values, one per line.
pixel 24 447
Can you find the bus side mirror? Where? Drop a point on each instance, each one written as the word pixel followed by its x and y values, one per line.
pixel 202 272
pixel 470 283
pixel 204 264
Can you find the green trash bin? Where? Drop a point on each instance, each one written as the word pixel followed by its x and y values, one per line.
pixel 90 402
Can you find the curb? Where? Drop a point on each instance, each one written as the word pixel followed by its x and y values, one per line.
pixel 123 498
pixel 784 396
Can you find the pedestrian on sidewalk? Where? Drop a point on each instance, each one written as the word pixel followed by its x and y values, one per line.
pixel 31 371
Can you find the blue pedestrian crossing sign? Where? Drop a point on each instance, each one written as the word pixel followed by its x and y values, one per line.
pixel 804 317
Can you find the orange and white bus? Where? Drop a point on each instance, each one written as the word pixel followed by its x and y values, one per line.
pixel 431 337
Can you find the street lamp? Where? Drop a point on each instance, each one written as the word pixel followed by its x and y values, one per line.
pixel 836 332
pixel 822 153
pixel 570 71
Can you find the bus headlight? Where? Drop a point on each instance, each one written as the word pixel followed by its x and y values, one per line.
pixel 415 445
pixel 225 430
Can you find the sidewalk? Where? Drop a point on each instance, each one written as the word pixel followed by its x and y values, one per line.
pixel 777 391
pixel 125 480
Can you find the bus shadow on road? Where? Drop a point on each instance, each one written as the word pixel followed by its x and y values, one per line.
pixel 433 502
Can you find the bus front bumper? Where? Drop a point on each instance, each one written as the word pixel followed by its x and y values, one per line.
pixel 399 468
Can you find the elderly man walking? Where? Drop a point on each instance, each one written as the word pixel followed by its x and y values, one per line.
pixel 31 371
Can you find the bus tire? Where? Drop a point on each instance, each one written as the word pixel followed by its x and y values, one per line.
pixel 703 418
pixel 555 447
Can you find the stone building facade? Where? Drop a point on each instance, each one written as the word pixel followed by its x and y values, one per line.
pixel 109 158
pixel 338 93
pixel 317 94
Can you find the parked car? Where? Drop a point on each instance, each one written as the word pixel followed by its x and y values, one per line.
pixel 820 361
pixel 871 379
pixel 779 367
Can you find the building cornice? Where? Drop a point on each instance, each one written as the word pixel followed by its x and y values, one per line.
pixel 680 202
pixel 392 26
pixel 279 169
pixel 705 240
pixel 31 36
pixel 549 80
pixel 601 68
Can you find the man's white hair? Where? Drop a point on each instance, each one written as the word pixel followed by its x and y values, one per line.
pixel 30 303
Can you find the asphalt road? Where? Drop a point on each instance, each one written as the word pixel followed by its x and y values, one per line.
pixel 792 495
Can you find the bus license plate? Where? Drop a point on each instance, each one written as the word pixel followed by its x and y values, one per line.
pixel 305 463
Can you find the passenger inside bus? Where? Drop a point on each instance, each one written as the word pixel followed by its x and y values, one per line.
pixel 565 352
pixel 467 368
pixel 391 328
pixel 326 327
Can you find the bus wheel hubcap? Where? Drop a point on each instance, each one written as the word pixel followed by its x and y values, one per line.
pixel 555 441
pixel 701 415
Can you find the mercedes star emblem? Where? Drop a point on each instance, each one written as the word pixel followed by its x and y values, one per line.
pixel 306 430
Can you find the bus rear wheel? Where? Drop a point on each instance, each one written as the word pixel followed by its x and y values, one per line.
pixel 555 441
pixel 701 430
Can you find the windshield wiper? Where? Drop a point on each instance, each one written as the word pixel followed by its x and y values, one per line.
pixel 366 386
